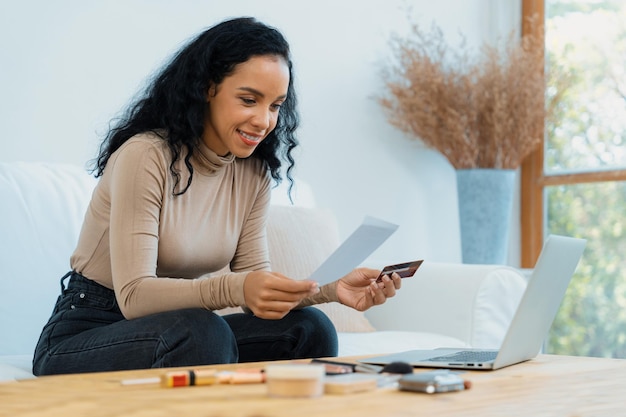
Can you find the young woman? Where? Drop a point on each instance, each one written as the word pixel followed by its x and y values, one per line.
pixel 184 191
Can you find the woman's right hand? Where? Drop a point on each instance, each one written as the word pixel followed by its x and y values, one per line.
pixel 271 295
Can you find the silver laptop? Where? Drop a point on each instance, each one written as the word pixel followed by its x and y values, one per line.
pixel 530 325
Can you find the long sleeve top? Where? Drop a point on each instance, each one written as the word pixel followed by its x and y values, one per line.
pixel 154 248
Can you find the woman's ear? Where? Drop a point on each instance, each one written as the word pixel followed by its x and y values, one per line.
pixel 210 93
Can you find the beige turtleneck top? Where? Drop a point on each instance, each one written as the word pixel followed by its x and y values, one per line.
pixel 146 243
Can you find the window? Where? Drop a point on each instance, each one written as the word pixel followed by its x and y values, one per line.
pixel 576 183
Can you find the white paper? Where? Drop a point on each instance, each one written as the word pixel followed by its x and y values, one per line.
pixel 359 245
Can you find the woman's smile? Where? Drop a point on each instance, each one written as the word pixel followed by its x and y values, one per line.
pixel 249 139
pixel 246 102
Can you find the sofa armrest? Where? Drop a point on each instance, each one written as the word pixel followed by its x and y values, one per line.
pixel 473 303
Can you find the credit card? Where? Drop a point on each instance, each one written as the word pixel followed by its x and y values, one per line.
pixel 405 270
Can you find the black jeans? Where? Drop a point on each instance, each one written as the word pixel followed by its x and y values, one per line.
pixel 88 333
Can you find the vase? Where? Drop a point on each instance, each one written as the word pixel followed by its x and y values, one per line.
pixel 485 203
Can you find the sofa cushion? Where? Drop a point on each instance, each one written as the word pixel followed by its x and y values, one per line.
pixel 300 239
pixel 15 367
pixel 390 341
pixel 38 201
pixel 474 303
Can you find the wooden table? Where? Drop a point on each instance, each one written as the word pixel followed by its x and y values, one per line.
pixel 546 386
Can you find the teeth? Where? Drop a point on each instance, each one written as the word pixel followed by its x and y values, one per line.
pixel 249 137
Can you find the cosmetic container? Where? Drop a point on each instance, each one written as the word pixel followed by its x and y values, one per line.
pixel 295 380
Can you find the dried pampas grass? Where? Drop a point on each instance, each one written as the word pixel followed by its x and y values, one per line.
pixel 479 112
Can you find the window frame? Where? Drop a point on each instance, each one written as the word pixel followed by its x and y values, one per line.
pixel 533 178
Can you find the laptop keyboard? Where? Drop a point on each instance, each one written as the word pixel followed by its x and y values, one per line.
pixel 467 356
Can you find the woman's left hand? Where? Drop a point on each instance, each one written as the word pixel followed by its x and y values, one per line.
pixel 359 288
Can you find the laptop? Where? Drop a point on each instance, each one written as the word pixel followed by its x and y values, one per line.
pixel 530 325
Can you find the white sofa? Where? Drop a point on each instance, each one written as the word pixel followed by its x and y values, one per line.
pixel 41 211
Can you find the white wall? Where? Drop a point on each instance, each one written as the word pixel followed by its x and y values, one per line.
pixel 68 66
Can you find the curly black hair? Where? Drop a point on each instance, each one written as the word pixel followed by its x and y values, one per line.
pixel 175 101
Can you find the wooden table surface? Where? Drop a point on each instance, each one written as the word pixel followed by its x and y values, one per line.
pixel 546 386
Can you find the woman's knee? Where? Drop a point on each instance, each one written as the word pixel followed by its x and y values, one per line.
pixel 196 337
pixel 175 338
pixel 320 329
pixel 318 319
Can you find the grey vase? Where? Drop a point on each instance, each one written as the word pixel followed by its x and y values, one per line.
pixel 485 204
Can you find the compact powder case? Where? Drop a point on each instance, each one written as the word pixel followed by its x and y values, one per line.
pixel 295 381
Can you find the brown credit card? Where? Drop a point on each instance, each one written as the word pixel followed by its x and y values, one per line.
pixel 405 270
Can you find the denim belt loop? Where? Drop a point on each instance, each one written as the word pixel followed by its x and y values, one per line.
pixel 63 287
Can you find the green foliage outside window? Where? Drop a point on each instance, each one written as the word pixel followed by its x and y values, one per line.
pixel 592 318
pixel 589 39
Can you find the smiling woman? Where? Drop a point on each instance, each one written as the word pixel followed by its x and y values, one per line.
pixel 244 108
pixel 184 192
